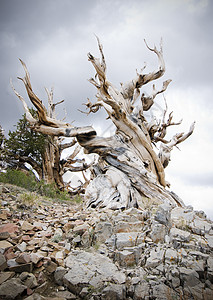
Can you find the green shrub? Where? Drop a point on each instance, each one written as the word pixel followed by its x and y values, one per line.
pixel 19 178
pixel 28 199
pixel 29 182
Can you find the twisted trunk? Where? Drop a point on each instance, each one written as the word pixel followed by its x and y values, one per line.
pixel 129 168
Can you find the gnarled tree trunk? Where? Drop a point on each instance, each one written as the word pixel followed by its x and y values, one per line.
pixel 130 168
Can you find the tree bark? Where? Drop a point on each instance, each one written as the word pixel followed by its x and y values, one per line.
pixel 131 167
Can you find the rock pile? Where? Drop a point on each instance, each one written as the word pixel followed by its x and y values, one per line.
pixel 61 251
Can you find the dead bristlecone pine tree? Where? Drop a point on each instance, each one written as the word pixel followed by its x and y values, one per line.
pixel 131 168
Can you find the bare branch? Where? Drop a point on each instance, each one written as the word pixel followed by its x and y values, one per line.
pixel 147 102
pixel 29 116
pixel 103 63
pixel 68 145
pixel 51 105
pixel 165 150
pixel 186 135
pixel 161 70
pixel 128 89
pixel 92 107
pixel 162 129
pixel 42 112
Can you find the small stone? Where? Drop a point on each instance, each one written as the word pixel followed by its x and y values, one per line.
pixel 4 276
pixel 163 214
pixel 12 288
pixel 141 291
pixel 22 247
pixel 86 239
pixel 41 278
pixel 36 257
pixel 35 296
pixel 59 255
pixel 161 291
pixel 77 239
pixel 29 291
pixel 126 258
pixel 28 279
pixel 80 229
pixel 4 245
pixel 3 216
pixel 12 262
pixel 65 295
pixel 68 226
pixel 179 235
pixel 135 280
pixel 127 239
pixel 9 227
pixel 209 239
pixel 9 254
pixel 158 232
pixel 26 226
pixel 4 235
pixel 114 291
pixel 19 268
pixel 3 263
pixel 57 235
pixel 171 255
pixel 189 276
pixel 26 238
pixel 42 288
pixel 104 230
pixel 23 258
pixel 59 274
pixel 50 266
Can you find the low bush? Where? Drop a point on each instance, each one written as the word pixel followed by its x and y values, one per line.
pixel 29 182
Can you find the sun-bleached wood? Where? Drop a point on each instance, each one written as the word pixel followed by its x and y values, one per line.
pixel 129 167
pixel 53 168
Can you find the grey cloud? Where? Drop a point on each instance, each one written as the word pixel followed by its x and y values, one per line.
pixel 199 179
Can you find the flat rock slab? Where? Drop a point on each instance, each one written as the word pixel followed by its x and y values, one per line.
pixel 11 288
pixel 90 269
pixel 4 245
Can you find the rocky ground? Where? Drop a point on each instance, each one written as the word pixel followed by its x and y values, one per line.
pixel 58 250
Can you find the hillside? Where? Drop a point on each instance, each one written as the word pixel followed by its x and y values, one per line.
pixel 59 250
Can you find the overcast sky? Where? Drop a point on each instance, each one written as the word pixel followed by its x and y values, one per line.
pixel 53 38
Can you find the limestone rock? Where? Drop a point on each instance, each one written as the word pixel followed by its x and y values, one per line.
pixel 50 266
pixel 126 258
pixel 162 292
pixel 4 276
pixel 163 214
pixel 28 279
pixel 156 256
pixel 19 268
pixel 179 235
pixel 158 232
pixel 90 269
pixel 114 292
pixel 26 226
pixel 125 239
pixel 59 274
pixel 153 252
pixel 190 277
pixel 3 263
pixel 141 291
pixel 12 288
pixel 4 245
pixel 103 231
